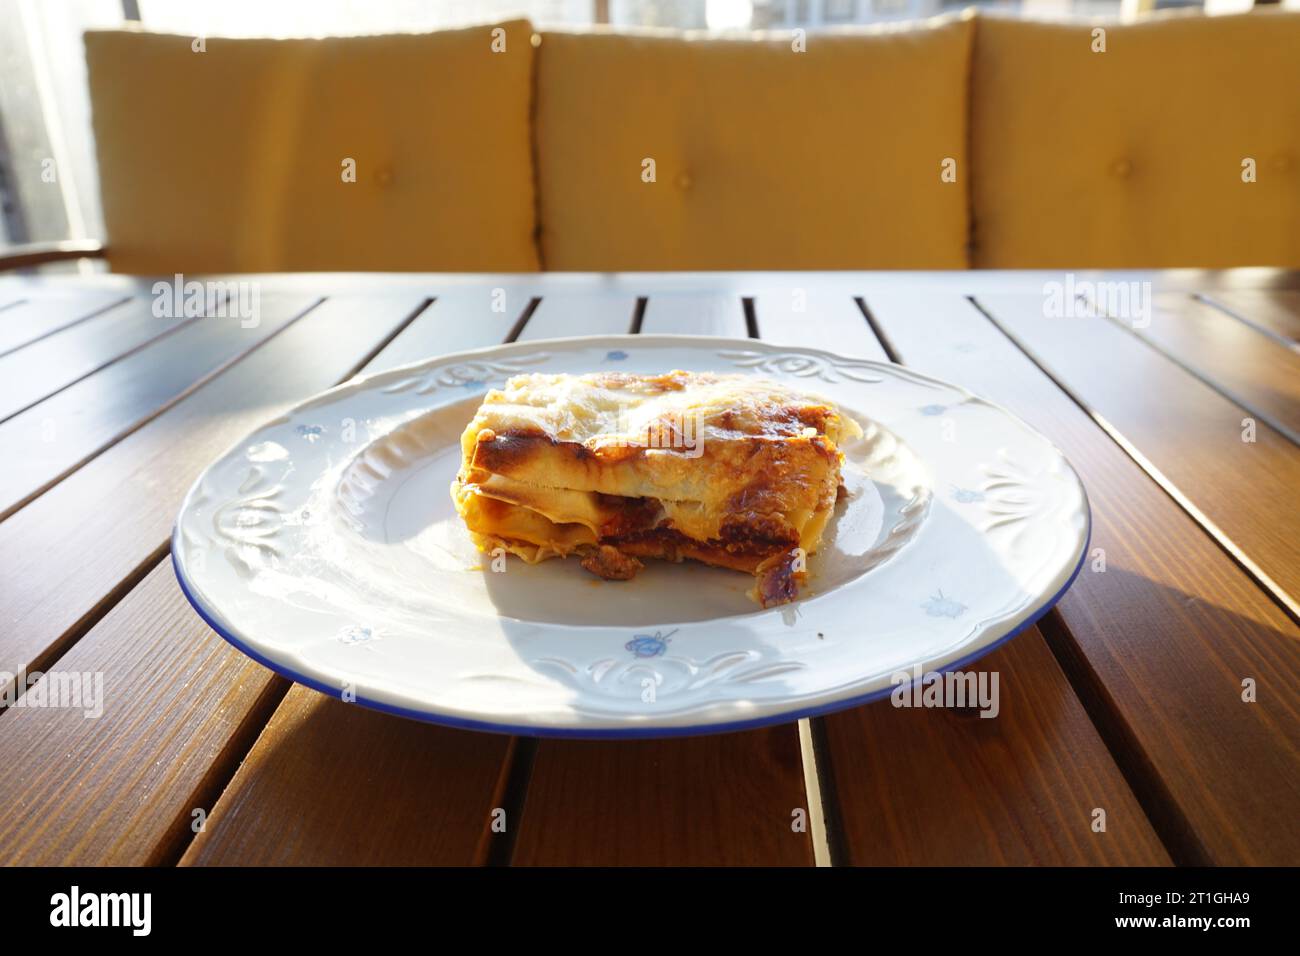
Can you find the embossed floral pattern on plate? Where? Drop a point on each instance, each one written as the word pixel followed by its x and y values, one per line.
pixel 325 545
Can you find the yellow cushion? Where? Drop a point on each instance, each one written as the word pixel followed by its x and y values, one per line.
pixel 764 158
pixel 1133 157
pixel 232 159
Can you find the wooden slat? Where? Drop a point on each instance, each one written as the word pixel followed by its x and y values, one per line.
pixel 40 315
pixel 1159 643
pixel 437 787
pixel 696 800
pixel 334 783
pixel 179 705
pixel 135 826
pixel 940 787
pixel 91 536
pixel 458 320
pixel 72 425
pixel 1274 312
pixel 1255 371
pixel 718 800
pixel 294 764
pixel 813 317
pixel 1183 431
pixel 561 314
pixel 695 314
pixel 42 368
pixel 937 787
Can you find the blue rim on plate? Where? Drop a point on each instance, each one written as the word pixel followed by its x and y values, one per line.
pixel 401 395
pixel 790 716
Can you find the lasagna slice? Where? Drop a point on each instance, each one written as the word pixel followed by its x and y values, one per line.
pixel 730 470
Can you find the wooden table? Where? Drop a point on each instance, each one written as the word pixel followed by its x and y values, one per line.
pixel 1127 698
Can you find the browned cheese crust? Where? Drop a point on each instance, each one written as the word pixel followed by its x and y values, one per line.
pixel 730 470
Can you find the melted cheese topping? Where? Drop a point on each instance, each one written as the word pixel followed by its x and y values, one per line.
pixel 727 469
pixel 676 410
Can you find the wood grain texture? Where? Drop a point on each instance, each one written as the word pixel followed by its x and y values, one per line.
pixel 681 801
pixel 138 818
pixel 1159 643
pixel 814 316
pixel 1018 775
pixel 61 432
pixel 40 315
pixel 1255 371
pixel 333 783
pixel 309 789
pixel 725 799
pixel 328 782
pixel 56 361
pixel 1187 434
pixel 179 706
pixel 1275 312
pixel 79 547
pixel 945 787
pixel 695 314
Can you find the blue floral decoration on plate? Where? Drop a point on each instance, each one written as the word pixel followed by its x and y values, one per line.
pixel 618 355
pixel 940 606
pixel 356 634
pixel 649 645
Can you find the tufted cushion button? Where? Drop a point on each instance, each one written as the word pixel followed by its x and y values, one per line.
pixel 384 177
pixel 1121 168
pixel 684 180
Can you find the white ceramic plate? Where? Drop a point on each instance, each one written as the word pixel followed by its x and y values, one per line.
pixel 325 546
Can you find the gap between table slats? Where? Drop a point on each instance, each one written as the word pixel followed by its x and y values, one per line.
pixel 1275 313
pixel 906 786
pixel 49 529
pixel 33 318
pixel 63 598
pixel 53 363
pixel 1256 372
pixel 65 431
pixel 715 799
pixel 290 801
pixel 1157 639
pixel 411 355
pixel 1186 435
